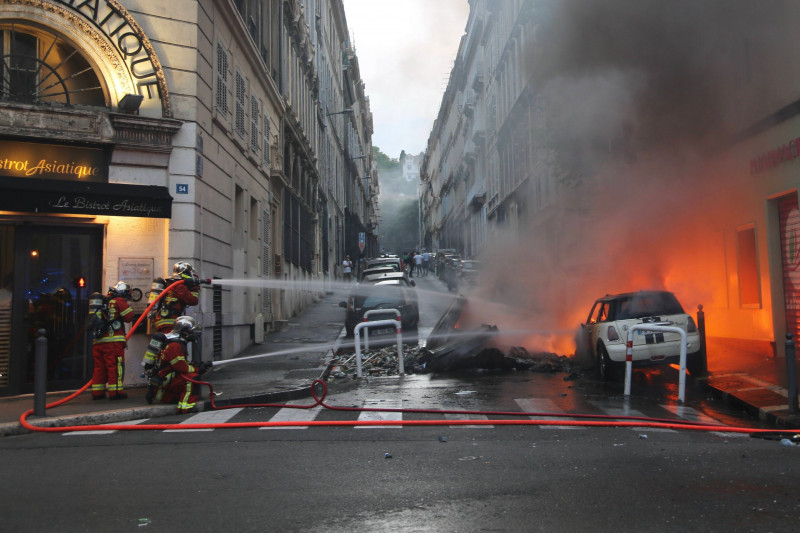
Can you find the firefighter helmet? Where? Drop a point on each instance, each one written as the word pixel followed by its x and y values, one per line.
pixel 121 289
pixel 187 327
pixel 183 269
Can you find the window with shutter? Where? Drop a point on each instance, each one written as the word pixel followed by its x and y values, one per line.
pixel 255 114
pixel 222 80
pixel 265 153
pixel 240 103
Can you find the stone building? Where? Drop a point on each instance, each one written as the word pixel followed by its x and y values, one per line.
pixel 136 134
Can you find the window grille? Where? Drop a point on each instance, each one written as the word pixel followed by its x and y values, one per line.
pixel 222 80
pixel 240 103
pixel 265 153
pixel 255 114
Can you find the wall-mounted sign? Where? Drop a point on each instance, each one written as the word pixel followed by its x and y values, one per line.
pixel 772 158
pixel 74 198
pixel 139 274
pixel 182 188
pixel 19 159
pixel 127 36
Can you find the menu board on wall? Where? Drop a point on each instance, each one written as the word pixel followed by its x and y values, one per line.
pixel 138 273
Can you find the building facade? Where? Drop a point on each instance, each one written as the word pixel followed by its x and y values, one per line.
pixel 136 134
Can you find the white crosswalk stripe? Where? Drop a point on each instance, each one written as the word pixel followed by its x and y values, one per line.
pixel 377 415
pixel 616 410
pixel 692 415
pixel 453 416
pixel 543 405
pixel 299 415
pixel 207 417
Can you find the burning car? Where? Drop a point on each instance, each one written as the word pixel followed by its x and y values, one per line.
pixel 604 336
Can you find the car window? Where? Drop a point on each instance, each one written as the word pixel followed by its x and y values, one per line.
pixel 385 296
pixel 648 304
pixel 592 319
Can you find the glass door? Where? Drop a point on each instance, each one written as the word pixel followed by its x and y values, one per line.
pixel 55 271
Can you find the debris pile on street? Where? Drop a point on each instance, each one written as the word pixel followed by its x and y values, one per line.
pixel 420 360
pixel 378 362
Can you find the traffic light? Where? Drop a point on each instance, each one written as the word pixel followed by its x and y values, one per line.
pixel 80 282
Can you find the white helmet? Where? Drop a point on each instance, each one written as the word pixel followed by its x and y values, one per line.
pixel 122 289
pixel 187 327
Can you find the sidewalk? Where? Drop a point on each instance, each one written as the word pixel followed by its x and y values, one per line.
pixel 753 382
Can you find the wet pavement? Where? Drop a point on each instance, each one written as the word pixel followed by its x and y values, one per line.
pixel 306 347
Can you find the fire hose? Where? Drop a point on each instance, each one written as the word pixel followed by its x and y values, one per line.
pixel 582 420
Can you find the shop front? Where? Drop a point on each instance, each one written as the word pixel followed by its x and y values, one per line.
pixel 52 239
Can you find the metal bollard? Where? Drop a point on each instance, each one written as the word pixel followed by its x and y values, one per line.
pixel 40 374
pixel 701 329
pixel 791 374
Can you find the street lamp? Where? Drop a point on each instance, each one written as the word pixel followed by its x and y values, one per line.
pixel 343 112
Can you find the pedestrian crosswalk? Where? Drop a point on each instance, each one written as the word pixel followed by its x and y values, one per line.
pixel 378 410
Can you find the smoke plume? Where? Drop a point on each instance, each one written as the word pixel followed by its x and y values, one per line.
pixel 641 98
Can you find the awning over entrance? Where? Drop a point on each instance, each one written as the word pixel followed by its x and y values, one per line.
pixel 72 197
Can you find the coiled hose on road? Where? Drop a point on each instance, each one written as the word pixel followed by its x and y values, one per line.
pixel 585 420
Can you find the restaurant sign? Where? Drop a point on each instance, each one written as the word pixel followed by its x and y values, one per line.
pixel 19 159
pixel 74 198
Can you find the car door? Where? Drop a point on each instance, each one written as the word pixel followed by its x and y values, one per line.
pixel 589 328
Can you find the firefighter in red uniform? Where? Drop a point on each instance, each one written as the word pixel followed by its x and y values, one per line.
pixel 178 298
pixel 173 304
pixel 108 316
pixel 174 368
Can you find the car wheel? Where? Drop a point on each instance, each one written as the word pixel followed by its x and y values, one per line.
pixel 605 367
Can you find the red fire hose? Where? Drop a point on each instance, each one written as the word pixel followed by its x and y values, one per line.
pixel 585 420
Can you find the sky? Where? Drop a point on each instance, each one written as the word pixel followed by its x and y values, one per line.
pixel 406 50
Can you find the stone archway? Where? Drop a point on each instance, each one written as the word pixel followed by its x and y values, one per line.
pixel 111 42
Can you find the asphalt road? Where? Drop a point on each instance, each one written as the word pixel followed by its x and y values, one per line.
pixel 439 478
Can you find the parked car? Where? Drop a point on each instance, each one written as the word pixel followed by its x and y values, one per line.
pixel 393 262
pixel 468 271
pixel 387 269
pixel 604 335
pixel 389 276
pixel 391 294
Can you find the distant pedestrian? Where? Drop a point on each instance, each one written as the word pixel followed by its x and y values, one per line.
pixel 426 261
pixel 411 264
pixel 347 269
pixel 418 263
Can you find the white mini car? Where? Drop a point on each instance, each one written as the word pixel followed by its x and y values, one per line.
pixel 604 336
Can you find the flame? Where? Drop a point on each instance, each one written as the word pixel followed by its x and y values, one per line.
pixel 661 234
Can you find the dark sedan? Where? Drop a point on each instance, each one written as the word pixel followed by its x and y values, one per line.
pixel 393 294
